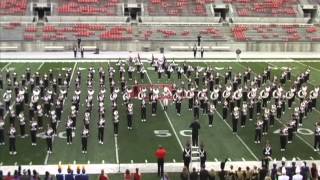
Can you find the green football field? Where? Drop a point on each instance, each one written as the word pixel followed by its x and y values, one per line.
pixel 139 145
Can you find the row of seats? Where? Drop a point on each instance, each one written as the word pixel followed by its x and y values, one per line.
pixel 275 33
pixel 177 7
pixel 259 8
pixel 181 33
pixel 88 7
pixel 13 7
pixel 70 32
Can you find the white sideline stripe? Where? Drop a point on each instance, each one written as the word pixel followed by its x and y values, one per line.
pixel 5 67
pixel 169 120
pixel 40 66
pixel 47 156
pixel 116 149
pixel 145 60
pixel 243 159
pixel 240 139
pixel 311 158
pixel 216 160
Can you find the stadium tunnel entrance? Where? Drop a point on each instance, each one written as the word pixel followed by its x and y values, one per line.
pixel 221 11
pixel 41 12
pixel 132 10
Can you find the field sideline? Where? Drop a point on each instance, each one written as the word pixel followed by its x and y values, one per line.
pixel 138 146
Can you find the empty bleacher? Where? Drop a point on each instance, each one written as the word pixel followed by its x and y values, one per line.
pixel 276 32
pixel 177 7
pixel 88 7
pixel 13 7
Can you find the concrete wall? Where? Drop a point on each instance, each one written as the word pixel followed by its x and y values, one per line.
pixel 155 45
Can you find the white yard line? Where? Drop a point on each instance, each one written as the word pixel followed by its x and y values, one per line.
pixel 299 62
pixel 5 67
pixel 168 118
pixel 116 148
pixel 47 156
pixel 40 66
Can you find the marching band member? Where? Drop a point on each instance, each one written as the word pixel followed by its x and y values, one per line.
pixel 267 153
pixel 244 115
pixel 33 132
pixel 49 134
pixel 178 99
pixel 265 125
pixel 235 119
pixel 283 138
pixel 225 110
pixel 166 95
pixel 190 96
pixel 7 98
pixel 212 108
pixel 115 123
pixel 101 125
pixel 2 123
pixel 154 104
pixel 69 130
pixel 290 98
pixel 273 113
pixel 203 156
pixel 317 137
pixel 196 109
pixel 131 69
pixel 186 156
pixel 130 115
pixel 84 140
pixel 143 111
pixel 22 125
pixel 251 107
pixel 291 128
pixel 313 96
pixel 258 134
pixel 12 140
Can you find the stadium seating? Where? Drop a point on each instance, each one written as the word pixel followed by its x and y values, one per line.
pixel 88 7
pixel 181 32
pixel 265 8
pixel 177 7
pixel 13 7
pixel 274 32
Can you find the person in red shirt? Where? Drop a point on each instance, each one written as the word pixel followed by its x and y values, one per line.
pixel 103 176
pixel 161 155
pixel 137 175
pixel 9 177
pixel 127 175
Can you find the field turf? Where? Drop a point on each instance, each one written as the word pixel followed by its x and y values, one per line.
pixel 138 145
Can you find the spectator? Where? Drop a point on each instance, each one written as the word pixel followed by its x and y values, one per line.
pixel 1 175
pixel 305 171
pixel 274 172
pixel 297 176
pixel 78 175
pixel 283 175
pixel 222 174
pixel 127 175
pixel 184 175
pixel 263 173
pixel 194 174
pixel 161 155
pixel 212 175
pixel 239 174
pixel 47 176
pixel 35 175
pixel 248 173
pixel 231 174
pixel 314 172
pixel 255 173
pixel 204 174
pixel 16 175
pixel 103 176
pixel 84 175
pixel 137 175
pixel 267 178
pixel 9 177
pixel 25 176
pixel 59 176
